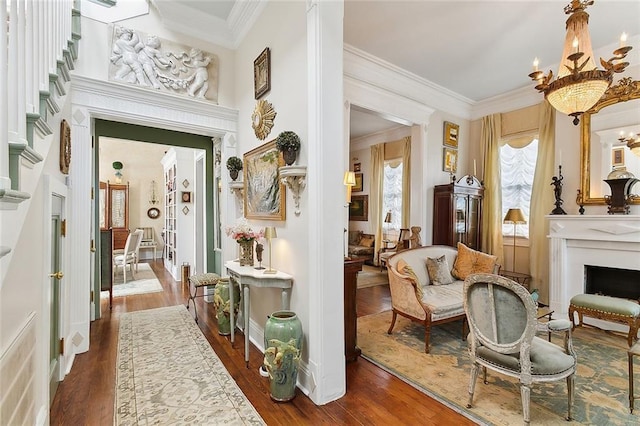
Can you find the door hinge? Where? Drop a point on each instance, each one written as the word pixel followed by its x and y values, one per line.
pixel 92 192
pixel 91 295
pixel 63 228
pixel 92 249
pixel 62 346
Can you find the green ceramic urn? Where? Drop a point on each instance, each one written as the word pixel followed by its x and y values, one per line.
pixel 222 304
pixel 283 342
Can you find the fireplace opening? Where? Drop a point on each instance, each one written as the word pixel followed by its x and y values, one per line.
pixel 615 282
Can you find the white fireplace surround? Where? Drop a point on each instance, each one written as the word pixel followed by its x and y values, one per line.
pixel 575 241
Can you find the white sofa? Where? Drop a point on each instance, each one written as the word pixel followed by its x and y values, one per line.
pixel 438 304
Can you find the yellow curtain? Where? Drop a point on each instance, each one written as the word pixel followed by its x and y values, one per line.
pixel 542 202
pixel 406 182
pixel 492 203
pixel 375 201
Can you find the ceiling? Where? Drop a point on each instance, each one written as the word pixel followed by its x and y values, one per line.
pixel 475 49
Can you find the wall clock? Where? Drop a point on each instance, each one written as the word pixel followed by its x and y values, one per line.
pixel 262 119
pixel 153 213
pixel 65 147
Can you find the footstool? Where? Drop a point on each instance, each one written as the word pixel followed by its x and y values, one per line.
pixel 196 282
pixel 635 350
pixel 607 308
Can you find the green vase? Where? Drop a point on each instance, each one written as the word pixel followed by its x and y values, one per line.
pixel 222 304
pixel 283 342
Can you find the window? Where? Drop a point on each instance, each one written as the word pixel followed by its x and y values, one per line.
pixel 392 195
pixel 517 167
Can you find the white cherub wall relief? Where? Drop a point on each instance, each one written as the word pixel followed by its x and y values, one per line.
pixel 163 65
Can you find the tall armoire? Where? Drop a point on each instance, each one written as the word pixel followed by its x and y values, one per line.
pixel 457 213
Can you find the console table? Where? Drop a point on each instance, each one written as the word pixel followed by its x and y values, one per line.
pixel 247 276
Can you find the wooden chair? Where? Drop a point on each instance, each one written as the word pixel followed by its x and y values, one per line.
pixel 129 254
pixel 402 244
pixel 148 242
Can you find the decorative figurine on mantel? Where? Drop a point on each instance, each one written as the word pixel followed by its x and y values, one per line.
pixel 556 181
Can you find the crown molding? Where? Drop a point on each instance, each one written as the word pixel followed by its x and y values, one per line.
pixel 516 99
pixel 362 66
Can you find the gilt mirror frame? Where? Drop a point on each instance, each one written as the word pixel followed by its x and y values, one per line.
pixel 625 90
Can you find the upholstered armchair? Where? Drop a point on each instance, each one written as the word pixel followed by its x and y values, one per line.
pixel 502 321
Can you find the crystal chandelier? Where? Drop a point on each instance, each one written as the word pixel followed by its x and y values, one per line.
pixel 580 84
pixel 633 143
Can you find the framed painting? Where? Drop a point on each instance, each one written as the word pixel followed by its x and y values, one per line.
pixel 359 208
pixel 186 196
pixel 358 186
pixel 264 194
pixel 451 134
pixel 262 73
pixel 617 157
pixel 449 160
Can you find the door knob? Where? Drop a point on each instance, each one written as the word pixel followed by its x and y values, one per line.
pixel 58 275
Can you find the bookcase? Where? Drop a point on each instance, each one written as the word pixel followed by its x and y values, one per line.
pixel 170 218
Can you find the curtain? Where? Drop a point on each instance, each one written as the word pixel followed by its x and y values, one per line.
pixel 406 182
pixel 492 204
pixel 375 201
pixel 542 201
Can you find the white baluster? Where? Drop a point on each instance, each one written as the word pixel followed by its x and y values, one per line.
pixel 20 99
pixel 12 71
pixel 5 182
pixel 30 49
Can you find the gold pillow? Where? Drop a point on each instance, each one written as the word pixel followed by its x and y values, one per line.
pixel 403 267
pixel 366 242
pixel 439 271
pixel 471 261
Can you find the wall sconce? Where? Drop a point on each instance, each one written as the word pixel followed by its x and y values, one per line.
pixel 153 196
pixel 349 181
pixel 294 177
pixel 269 234
pixel 117 165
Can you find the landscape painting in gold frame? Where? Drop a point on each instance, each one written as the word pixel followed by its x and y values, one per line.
pixel 451 132
pixel 264 194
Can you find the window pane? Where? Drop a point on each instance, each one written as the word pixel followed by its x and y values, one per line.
pixel 392 196
pixel 517 167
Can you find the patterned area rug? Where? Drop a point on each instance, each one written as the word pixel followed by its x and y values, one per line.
pixel 371 276
pixel 145 282
pixel 167 374
pixel 601 384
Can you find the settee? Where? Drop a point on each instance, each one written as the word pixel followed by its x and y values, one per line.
pixel 431 294
pixel 361 246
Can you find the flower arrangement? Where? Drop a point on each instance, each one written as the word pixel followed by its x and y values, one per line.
pixel 242 232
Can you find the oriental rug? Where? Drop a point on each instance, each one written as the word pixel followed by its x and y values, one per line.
pixel 601 383
pixel 145 281
pixel 371 276
pixel 167 374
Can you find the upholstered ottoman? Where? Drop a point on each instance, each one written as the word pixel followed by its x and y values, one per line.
pixel 199 281
pixel 607 308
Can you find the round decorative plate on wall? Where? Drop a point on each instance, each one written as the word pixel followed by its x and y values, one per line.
pixel 153 213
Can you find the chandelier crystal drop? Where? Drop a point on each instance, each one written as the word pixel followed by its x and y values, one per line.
pixel 579 84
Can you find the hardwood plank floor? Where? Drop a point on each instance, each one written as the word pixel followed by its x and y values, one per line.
pixel 374 397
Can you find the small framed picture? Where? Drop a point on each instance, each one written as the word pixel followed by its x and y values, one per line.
pixel 186 196
pixel 449 160
pixel 617 157
pixel 358 186
pixel 356 167
pixel 451 134
pixel 262 74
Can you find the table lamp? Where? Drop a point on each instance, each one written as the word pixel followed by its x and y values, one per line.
pixel 514 216
pixel 387 220
pixel 269 234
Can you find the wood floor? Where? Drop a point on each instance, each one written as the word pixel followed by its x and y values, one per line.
pixel 374 397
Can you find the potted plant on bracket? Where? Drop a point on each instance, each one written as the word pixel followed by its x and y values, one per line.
pixel 234 165
pixel 288 143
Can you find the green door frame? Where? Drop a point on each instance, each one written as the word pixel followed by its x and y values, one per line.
pixel 134 132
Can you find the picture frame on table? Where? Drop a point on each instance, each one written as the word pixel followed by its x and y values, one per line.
pixel 359 208
pixel 449 160
pixel 262 74
pixel 264 195
pixel 451 133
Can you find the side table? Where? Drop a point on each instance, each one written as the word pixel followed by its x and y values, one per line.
pixel 545 311
pixel 520 278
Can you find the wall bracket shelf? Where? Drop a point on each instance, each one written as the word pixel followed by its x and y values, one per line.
pixel 295 179
pixel 236 188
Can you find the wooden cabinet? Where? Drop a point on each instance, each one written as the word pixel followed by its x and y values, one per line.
pixel 457 213
pixel 106 263
pixel 114 211
pixel 351 268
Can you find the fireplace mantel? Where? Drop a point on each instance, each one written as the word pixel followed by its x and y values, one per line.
pixel 579 240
